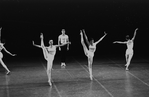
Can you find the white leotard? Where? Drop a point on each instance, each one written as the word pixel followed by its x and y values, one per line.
pixel 51 52
pixel 92 49
pixel 129 47
pixel 1 55
pixel 63 39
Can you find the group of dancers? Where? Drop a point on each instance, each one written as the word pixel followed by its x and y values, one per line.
pixel 63 41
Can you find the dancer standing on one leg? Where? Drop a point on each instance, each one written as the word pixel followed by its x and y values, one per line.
pixel 63 39
pixel 129 51
pixel 1 55
pixel 49 54
pixel 89 52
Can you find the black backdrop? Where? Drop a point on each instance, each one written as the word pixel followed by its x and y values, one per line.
pixel 24 20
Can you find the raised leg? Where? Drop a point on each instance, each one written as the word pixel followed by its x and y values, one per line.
pixel 83 44
pixel 45 53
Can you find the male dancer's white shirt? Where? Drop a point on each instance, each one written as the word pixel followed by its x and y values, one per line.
pixel 63 39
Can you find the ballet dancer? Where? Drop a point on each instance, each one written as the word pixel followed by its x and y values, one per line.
pixel 1 55
pixel 89 52
pixel 63 39
pixel 49 54
pixel 129 52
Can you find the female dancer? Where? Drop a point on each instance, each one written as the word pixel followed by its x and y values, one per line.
pixel 1 55
pixel 129 51
pixel 49 53
pixel 89 52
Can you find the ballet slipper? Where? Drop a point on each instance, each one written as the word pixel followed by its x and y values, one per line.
pixel 8 72
pixel 50 83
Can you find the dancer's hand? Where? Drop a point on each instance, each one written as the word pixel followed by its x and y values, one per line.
pixel 33 42
pixel 0 28
pixel 13 54
pixel 81 32
pixel 136 29
pixel 68 42
pixel 105 33
pixel 41 35
pixel 115 42
pixel 59 49
pixel 67 48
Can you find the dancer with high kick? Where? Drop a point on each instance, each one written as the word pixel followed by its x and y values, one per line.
pixel 49 54
pixel 89 52
pixel 129 52
pixel 1 55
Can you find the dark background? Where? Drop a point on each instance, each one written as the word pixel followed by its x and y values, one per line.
pixel 24 20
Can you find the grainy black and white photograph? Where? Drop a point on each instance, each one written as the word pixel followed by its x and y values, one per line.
pixel 74 48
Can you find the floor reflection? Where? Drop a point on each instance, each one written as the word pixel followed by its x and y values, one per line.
pixel 7 85
pixel 128 85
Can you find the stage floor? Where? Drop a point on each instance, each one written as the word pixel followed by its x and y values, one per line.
pixel 29 79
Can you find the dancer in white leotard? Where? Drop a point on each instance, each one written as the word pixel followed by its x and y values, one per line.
pixel 1 55
pixel 129 51
pixel 89 52
pixel 49 54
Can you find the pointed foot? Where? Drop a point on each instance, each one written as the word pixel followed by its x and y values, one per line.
pixel 8 73
pixel 126 68
pixel 50 83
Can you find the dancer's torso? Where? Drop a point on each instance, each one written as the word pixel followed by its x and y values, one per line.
pixel 52 50
pixel 92 48
pixel 1 47
pixel 63 39
pixel 129 46
pixel 1 55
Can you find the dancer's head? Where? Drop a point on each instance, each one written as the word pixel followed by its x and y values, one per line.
pixel 127 37
pixel 50 42
pixel 91 41
pixel 63 31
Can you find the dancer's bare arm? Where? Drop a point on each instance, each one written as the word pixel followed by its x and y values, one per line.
pixel 62 44
pixel 125 42
pixel 8 51
pixel 134 34
pixel 100 38
pixel 86 38
pixel 68 43
pixel 36 45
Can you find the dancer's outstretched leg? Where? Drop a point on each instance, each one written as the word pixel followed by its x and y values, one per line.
pixel 8 71
pixel 45 53
pixel 83 44
pixel 129 60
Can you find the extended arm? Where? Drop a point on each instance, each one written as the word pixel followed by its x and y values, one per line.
pixel 8 51
pixel 125 42
pixel 86 38
pixel 63 44
pixel 101 38
pixel 134 34
pixel 36 45
pixel 59 40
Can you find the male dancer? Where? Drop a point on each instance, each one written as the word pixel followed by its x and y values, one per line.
pixel 63 39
